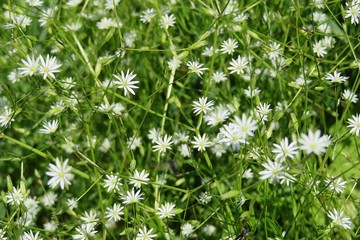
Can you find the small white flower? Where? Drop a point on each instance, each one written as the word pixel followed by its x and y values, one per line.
pixel 34 3
pixel 284 149
pixel 354 124
pixel 187 229
pixel 30 66
pixel 49 127
pixel 145 234
pixel 147 15
pixel 238 65
pixel 349 96
pixel 251 92
pixel 49 66
pixel 132 197
pixel 336 77
pixel 125 81
pixel 31 236
pixel 162 144
pixel 218 77
pixel 313 142
pixel 204 198
pixel 6 116
pixel 49 199
pixel 166 210
pixel 273 171
pixel 337 185
pixel 15 197
pixel 353 11
pixel 229 46
pixel 139 178
pixel 167 21
pixel 84 232
pixel 201 142
pixel 114 213
pixel 196 67
pixel 319 49
pixel 112 183
pixel 60 174
pixel 202 105
pixel 339 219
pixel 111 4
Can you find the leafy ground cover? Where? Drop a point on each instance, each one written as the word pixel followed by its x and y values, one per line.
pixel 179 119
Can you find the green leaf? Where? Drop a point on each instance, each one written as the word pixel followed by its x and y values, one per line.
pixel 230 194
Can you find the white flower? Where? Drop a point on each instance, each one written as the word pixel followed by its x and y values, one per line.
pixel 262 111
pixel 139 178
pixel 251 92
pixel 15 196
pixel 353 11
pixel 201 142
pixel 339 219
pixel 147 15
pixel 154 134
pixel 204 198
pixel 125 81
pixel 174 63
pixel 228 46
pixel 106 23
pixel 284 149
pixel 238 65
pixel 337 185
pixel 319 49
pixel 166 210
pixel 144 234
pixel 31 236
pixel 112 182
pixel 209 51
pixel 202 105
pixel 114 213
pixel 230 134
pixel 90 218
pixel 349 96
pixel 132 197
pixel 49 199
pixel 336 77
pixel 273 171
pixel 60 174
pixel 49 127
pixel 34 3
pixel 216 117
pixel 162 144
pixel 313 142
pixel 134 142
pixel 274 50
pixel 73 3
pixel 187 229
pixel 167 21
pixel 49 66
pixel 111 4
pixel 6 117
pixel 84 232
pixel 105 145
pixel 50 226
pixel 31 66
pixel 196 67
pixel 72 203
pixel 354 124
pixel 246 125
pixel 218 76
pixel 2 234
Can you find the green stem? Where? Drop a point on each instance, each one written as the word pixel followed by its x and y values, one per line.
pixel 24 145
